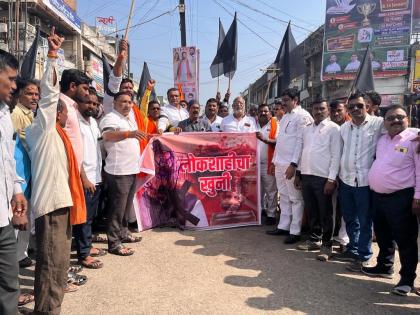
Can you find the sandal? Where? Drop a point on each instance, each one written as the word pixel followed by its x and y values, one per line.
pixel 94 264
pixel 131 239
pixel 70 288
pixel 75 269
pixel 100 252
pixel 76 279
pixel 121 250
pixel 99 239
pixel 26 298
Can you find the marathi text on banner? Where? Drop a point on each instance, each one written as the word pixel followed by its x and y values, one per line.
pixel 203 180
pixel 351 25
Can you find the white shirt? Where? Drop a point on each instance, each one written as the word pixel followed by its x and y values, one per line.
pixel 9 183
pixel 92 157
pixel 171 116
pixel 263 147
pixel 321 150
pixel 123 157
pixel 289 143
pixel 215 125
pixel 231 124
pixel 352 66
pixel 49 163
pixel 359 146
pixel 333 67
pixel 114 86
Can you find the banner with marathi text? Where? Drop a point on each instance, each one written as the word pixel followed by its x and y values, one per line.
pixel 200 180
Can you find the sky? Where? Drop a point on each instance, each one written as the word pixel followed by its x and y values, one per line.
pixel 258 41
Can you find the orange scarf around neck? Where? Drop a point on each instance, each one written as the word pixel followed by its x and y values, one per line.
pixel 272 135
pixel 78 211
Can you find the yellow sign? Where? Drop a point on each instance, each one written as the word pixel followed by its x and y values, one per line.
pixel 416 79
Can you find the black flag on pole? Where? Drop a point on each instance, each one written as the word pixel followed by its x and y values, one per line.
pixel 27 70
pixel 226 57
pixel 364 78
pixel 219 44
pixel 289 60
pixel 106 72
pixel 145 77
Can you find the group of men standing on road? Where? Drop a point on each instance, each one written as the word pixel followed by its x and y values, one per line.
pixel 350 169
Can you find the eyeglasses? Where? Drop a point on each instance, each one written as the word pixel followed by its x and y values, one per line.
pixel 154 108
pixel 358 105
pixel 397 117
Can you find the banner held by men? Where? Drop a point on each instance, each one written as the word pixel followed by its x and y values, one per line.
pixel 200 181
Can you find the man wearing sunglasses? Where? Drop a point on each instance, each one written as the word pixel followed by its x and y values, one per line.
pixel 395 181
pixel 359 137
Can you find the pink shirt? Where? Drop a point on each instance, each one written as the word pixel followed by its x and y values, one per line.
pixel 73 128
pixel 397 165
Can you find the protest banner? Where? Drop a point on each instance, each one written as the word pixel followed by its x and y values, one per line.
pixel 204 180
pixel 186 62
pixel 351 25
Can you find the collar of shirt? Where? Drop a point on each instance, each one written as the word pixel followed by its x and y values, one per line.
pixel 367 119
pixel 120 115
pixel 295 110
pixel 403 135
pixel 3 108
pixel 25 110
pixel 68 101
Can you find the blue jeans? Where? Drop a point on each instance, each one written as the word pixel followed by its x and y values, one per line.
pixel 83 232
pixel 355 207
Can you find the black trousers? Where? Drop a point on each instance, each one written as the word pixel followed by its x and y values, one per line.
pixel 320 209
pixel 121 190
pixel 9 270
pixel 393 220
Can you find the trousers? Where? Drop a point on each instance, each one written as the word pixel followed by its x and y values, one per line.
pixel 53 242
pixel 291 202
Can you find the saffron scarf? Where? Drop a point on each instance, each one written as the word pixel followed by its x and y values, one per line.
pixel 78 210
pixel 271 135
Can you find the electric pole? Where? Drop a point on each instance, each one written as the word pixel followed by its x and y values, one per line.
pixel 182 23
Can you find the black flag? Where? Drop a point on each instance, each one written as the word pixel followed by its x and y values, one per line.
pixel 219 67
pixel 106 72
pixel 226 56
pixel 27 70
pixel 145 76
pixel 289 60
pixel 364 78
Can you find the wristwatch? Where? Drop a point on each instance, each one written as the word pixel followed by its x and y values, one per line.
pixel 293 164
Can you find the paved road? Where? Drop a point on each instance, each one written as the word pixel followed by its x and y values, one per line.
pixel 235 271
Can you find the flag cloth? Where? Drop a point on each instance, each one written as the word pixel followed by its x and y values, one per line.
pixel 145 77
pixel 27 70
pixel 289 60
pixel 219 67
pixel 226 57
pixel 364 79
pixel 106 72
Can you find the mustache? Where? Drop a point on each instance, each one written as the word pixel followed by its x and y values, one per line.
pixel 396 123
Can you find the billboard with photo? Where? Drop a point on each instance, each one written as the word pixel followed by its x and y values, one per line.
pixel 186 62
pixel 351 25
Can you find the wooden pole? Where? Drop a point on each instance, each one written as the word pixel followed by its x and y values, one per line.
pixel 129 19
pixel 218 85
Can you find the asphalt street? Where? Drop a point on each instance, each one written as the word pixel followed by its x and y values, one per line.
pixel 232 271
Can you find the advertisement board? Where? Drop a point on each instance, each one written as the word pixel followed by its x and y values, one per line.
pixel 351 25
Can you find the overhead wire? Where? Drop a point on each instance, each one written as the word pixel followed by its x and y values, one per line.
pixel 270 16
pixel 246 26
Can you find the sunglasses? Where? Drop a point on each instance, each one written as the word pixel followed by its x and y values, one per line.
pixel 397 117
pixel 358 105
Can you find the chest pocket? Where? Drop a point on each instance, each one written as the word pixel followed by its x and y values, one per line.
pixel 291 128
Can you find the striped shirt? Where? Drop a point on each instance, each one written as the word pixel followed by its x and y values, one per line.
pixel 359 147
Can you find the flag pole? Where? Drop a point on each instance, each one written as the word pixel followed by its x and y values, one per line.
pixel 218 83
pixel 129 19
